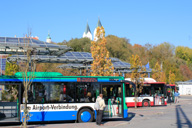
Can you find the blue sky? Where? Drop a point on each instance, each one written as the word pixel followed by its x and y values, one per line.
pixel 141 21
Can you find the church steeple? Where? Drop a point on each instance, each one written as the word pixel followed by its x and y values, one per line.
pixel 48 40
pixel 87 32
pixel 98 25
pixel 87 29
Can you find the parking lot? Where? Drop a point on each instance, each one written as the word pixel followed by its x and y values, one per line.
pixel 171 116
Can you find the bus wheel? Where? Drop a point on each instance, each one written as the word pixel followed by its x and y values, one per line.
pixel 145 103
pixel 85 115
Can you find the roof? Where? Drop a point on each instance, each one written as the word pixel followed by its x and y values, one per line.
pixel 47 75
pixel 99 23
pixel 87 29
pixel 170 84
pixel 154 82
pixel 48 37
pixel 189 81
pixel 148 81
pixel 38 74
pixel 68 57
pixel 118 65
pixel 14 45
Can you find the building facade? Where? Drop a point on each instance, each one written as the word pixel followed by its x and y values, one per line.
pixel 185 88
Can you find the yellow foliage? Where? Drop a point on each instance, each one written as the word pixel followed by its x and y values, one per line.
pixel 171 78
pixel 137 75
pixel 102 65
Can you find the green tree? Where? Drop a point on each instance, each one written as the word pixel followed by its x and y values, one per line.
pixel 102 65
pixel 184 53
pixel 124 49
pixel 78 45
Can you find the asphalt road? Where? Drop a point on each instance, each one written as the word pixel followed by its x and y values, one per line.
pixel 171 116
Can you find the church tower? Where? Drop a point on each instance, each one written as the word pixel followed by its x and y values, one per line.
pixel 98 25
pixel 87 32
pixel 48 40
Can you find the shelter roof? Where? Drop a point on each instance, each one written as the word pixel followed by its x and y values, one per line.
pixel 14 45
pixel 68 57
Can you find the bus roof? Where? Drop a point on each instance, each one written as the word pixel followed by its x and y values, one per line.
pixel 149 80
pixel 58 77
pixel 154 82
pixel 55 74
pixel 170 84
pixel 38 74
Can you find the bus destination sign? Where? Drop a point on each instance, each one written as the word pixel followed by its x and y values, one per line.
pixel 87 80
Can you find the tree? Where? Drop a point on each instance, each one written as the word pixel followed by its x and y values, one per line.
pixel 185 72
pixel 11 69
pixel 184 53
pixel 137 75
pixel 78 45
pixel 171 77
pixel 28 68
pixel 102 65
pixel 157 72
pixel 123 50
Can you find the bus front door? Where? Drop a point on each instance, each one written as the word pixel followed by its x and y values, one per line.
pixel 113 101
pixel 9 102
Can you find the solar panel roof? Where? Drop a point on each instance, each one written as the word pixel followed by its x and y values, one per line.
pixel 68 57
pixel 116 68
pixel 13 45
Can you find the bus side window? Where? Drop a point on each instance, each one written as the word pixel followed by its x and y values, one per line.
pixel 129 90
pixel 85 92
pixel 70 93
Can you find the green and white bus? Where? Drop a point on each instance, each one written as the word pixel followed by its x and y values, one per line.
pixel 54 97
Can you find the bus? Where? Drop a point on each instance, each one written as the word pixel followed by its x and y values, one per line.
pixel 54 97
pixel 171 89
pixel 152 94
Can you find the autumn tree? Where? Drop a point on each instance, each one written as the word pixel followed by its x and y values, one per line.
pixel 102 65
pixel 10 69
pixel 185 72
pixel 184 53
pixel 158 73
pixel 137 75
pixel 171 77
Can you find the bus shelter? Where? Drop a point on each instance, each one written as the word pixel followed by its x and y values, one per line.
pixel 18 46
pixel 119 67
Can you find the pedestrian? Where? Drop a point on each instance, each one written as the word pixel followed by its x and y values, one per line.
pixel 101 108
pixel 176 96
pixel 169 97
